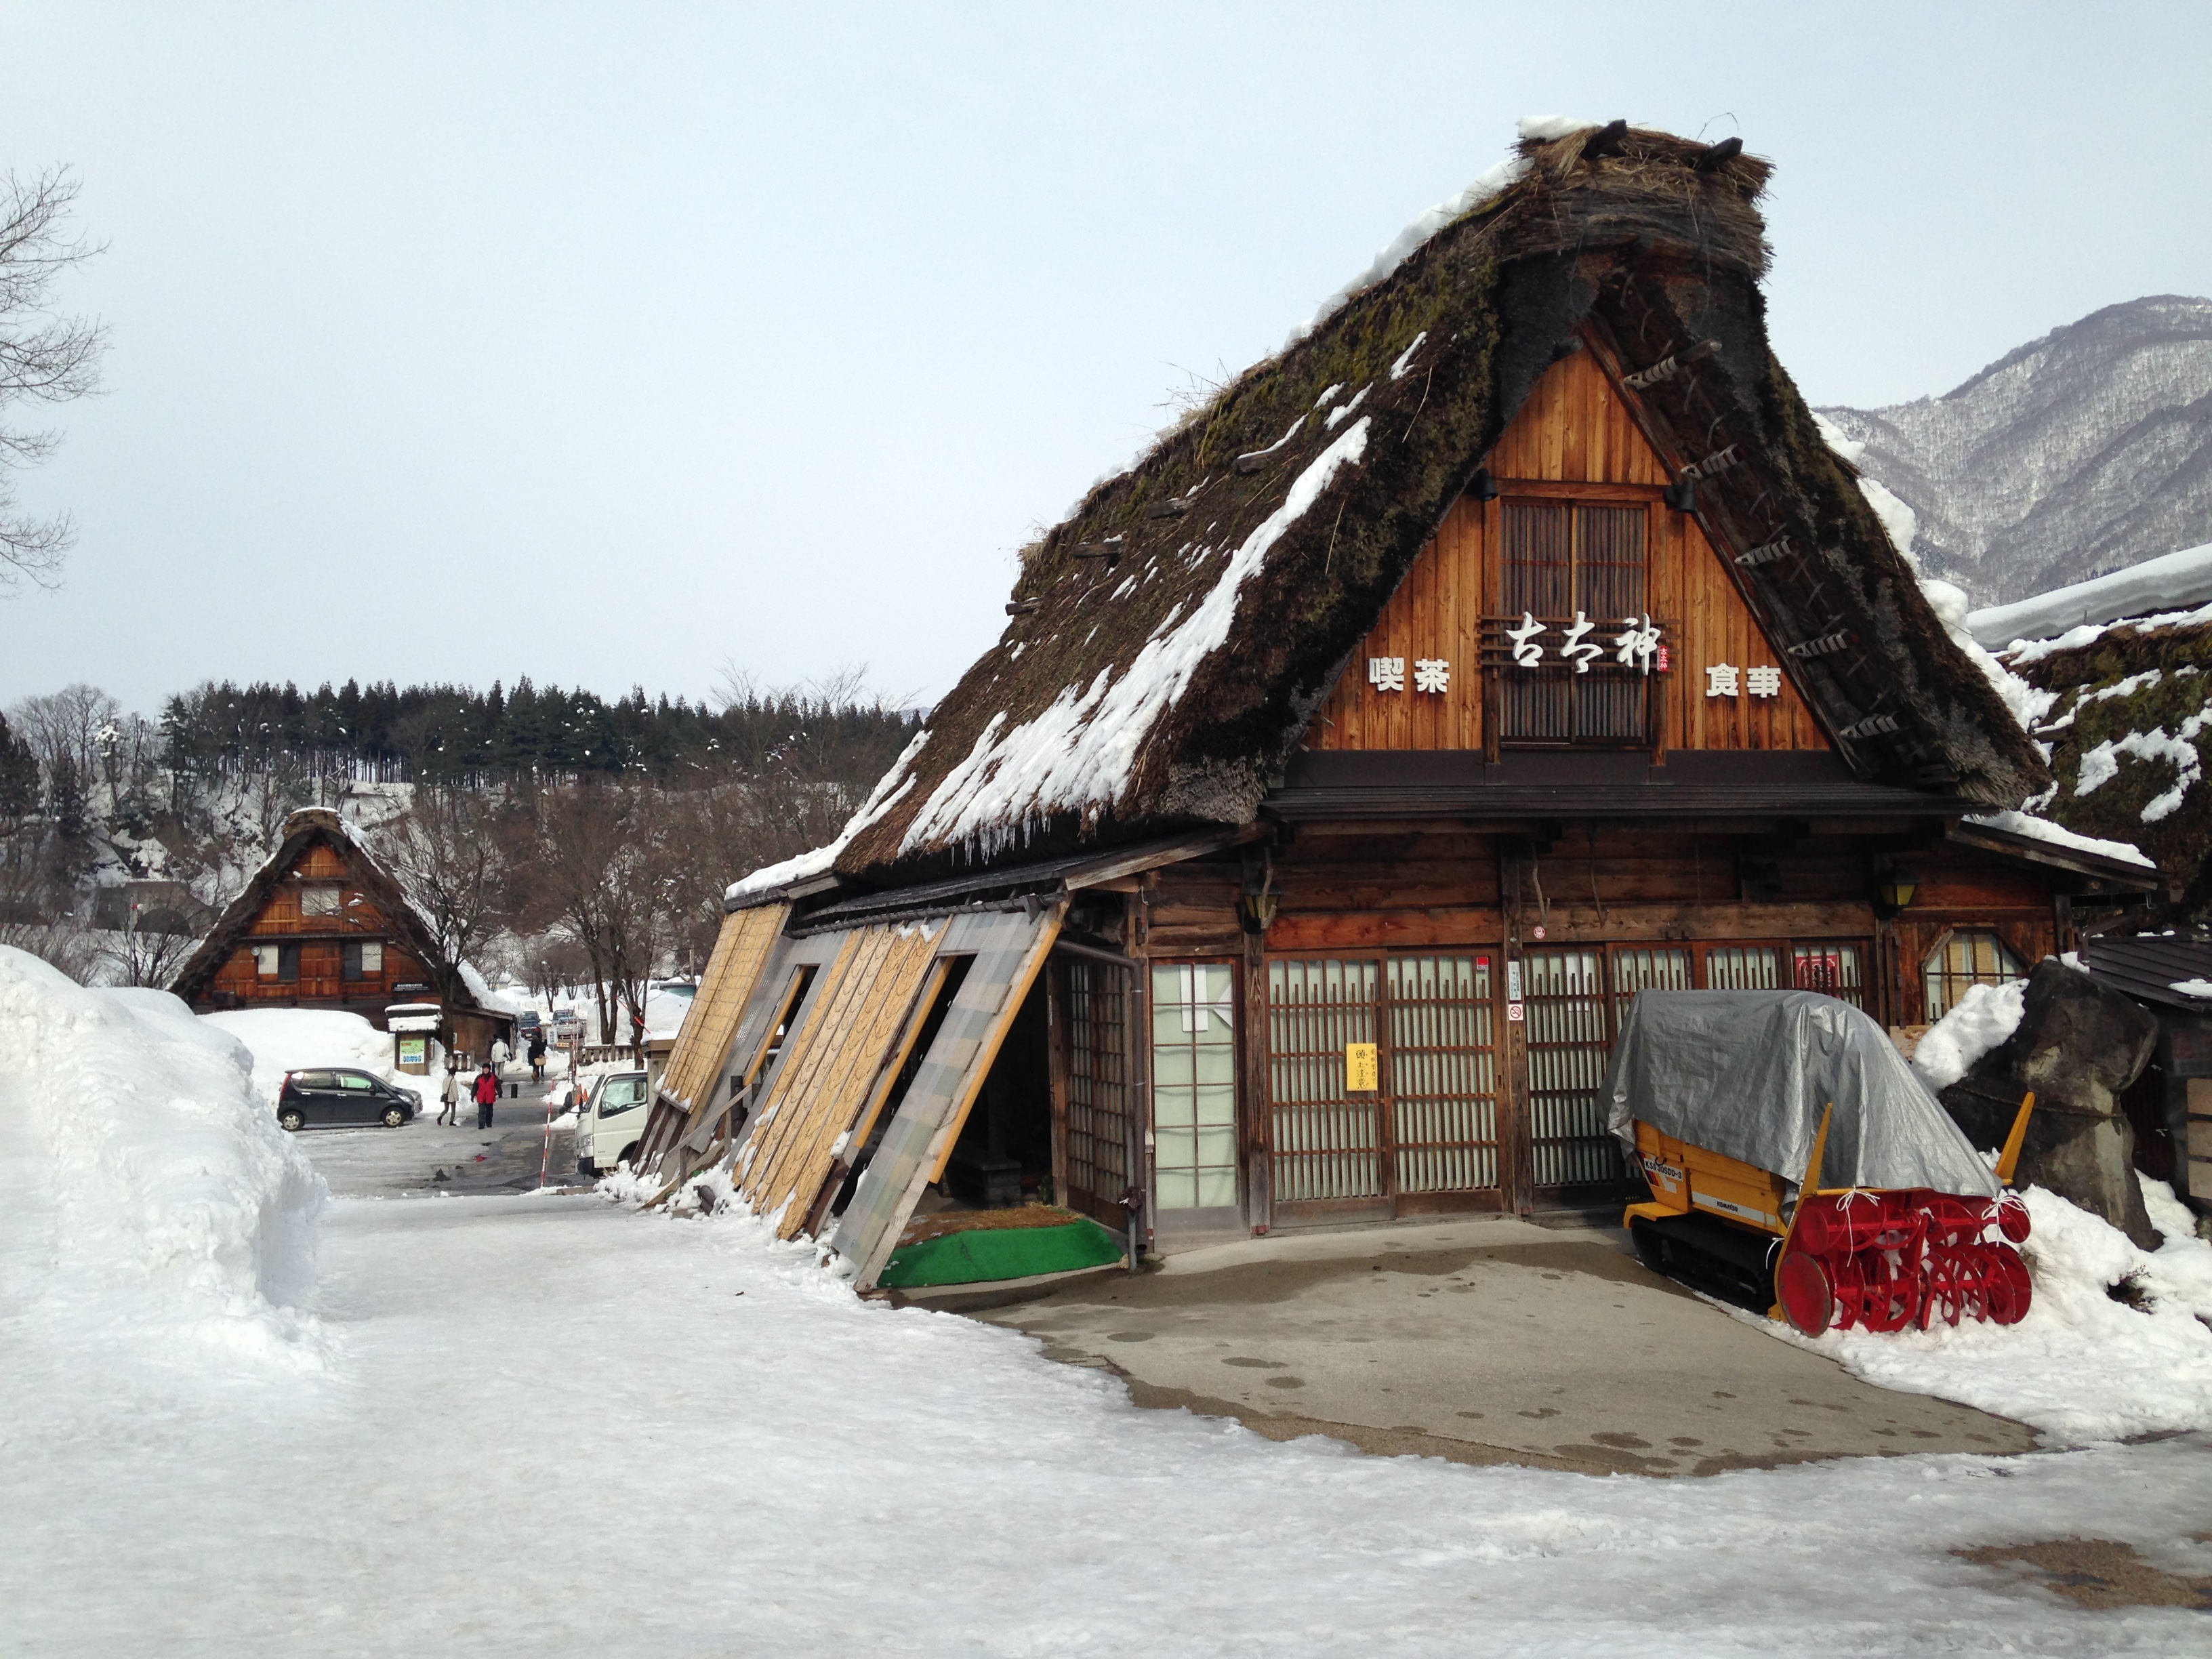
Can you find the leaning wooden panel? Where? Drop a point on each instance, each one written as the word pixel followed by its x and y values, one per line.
pixel 741 950
pixel 880 995
pixel 790 1116
pixel 1008 947
pixel 798 1059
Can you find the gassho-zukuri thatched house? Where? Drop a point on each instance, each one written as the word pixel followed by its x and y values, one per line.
pixel 323 924
pixel 1509 643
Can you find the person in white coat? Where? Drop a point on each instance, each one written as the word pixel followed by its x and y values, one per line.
pixel 449 1096
pixel 500 1052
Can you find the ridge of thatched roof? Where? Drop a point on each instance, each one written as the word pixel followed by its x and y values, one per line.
pixel 1168 642
pixel 401 916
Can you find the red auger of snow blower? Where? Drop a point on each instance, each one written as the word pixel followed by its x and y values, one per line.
pixel 1883 1250
pixel 1885 1260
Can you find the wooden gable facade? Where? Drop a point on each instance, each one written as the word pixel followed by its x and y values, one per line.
pixel 319 940
pixel 1578 523
pixel 1451 879
pixel 322 925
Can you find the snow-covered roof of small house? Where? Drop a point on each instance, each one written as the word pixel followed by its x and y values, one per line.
pixel 400 912
pixel 1168 643
pixel 2167 589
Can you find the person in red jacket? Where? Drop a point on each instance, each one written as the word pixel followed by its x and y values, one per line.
pixel 486 1092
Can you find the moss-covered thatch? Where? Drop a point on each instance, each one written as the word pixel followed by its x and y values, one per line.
pixel 1640 243
pixel 2127 699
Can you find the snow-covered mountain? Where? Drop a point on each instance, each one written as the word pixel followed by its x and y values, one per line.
pixel 2081 453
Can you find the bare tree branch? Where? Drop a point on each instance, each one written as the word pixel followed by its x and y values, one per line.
pixel 44 357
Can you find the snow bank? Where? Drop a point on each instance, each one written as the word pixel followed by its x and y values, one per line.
pixel 148 1199
pixel 2023 824
pixel 1982 1019
pixel 2082 1366
pixel 2172 581
pixel 281 1039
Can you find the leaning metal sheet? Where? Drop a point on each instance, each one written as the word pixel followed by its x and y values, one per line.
pixel 1008 946
pixel 1747 1074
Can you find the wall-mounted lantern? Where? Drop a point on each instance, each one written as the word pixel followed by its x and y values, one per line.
pixel 1894 890
pixel 1255 905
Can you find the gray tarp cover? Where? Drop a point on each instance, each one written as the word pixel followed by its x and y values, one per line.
pixel 1748 1072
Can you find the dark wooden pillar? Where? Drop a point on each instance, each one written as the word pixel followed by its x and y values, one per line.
pixel 1255 1113
pixel 1055 1044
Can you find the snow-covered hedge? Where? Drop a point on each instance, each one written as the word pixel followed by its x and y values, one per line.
pixel 148 1199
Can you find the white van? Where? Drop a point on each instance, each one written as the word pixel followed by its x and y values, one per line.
pixel 611 1121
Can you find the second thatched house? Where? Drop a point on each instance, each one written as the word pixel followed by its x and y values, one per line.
pixel 324 924
pixel 1509 643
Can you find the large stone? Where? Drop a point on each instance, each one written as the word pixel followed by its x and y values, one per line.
pixel 2079 1044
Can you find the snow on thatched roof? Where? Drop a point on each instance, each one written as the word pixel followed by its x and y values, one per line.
pixel 1168 643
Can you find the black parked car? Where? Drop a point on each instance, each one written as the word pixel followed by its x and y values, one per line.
pixel 314 1100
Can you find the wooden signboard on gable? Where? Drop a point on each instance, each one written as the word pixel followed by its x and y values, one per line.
pixel 1575 609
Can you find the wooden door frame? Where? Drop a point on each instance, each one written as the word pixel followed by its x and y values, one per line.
pixel 1390 1204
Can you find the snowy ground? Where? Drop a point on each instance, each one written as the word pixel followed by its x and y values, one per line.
pixel 553 1425
pixel 547 1426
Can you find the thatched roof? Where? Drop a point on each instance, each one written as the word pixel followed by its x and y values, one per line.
pixel 2130 729
pixel 1250 551
pixel 403 920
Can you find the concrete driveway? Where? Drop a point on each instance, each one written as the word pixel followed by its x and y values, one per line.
pixel 1484 1340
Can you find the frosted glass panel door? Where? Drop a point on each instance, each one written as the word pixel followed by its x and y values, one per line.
pixel 1194 1086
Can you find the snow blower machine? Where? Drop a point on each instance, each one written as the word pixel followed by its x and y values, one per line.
pixel 1798 1167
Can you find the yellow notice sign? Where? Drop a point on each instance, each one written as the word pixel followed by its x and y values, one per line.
pixel 1361 1072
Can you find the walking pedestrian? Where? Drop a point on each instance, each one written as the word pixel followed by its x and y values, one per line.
pixel 449 1095
pixel 537 1057
pixel 500 1054
pixel 487 1093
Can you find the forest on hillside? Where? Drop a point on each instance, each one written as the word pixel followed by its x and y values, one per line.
pixel 561 836
pixel 454 736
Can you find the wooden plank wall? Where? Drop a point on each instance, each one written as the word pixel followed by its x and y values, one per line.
pixel 1574 430
pixel 1369 891
pixel 1959 888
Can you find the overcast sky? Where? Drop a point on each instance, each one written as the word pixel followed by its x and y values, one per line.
pixel 607 344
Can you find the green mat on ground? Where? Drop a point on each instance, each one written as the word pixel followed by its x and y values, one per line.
pixel 988 1254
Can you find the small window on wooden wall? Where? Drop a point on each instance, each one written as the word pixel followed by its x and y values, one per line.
pixel 320 899
pixel 1580 570
pixel 1966 956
